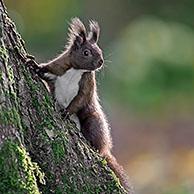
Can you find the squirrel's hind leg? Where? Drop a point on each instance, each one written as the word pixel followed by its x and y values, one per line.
pixel 96 131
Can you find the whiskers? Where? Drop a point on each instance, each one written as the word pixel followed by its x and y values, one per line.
pixel 103 70
pixel 107 61
pixel 108 56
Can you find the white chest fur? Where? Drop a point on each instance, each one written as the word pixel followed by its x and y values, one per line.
pixel 67 86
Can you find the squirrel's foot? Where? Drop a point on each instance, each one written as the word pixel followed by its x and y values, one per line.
pixel 65 114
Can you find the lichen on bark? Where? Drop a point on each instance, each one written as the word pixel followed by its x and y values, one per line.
pixel 39 152
pixel 17 170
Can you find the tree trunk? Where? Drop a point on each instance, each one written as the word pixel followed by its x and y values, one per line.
pixel 39 152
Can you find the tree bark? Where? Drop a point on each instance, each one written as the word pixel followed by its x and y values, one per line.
pixel 39 152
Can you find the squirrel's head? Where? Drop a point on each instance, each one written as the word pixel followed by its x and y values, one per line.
pixel 84 53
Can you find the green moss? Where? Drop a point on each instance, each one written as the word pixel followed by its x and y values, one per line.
pixel 10 75
pixel 1 75
pixel 58 149
pixel 39 173
pixel 104 162
pixel 10 117
pixel 3 52
pixel 36 104
pixel 17 171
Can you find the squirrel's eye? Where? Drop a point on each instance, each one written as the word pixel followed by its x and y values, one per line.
pixel 87 52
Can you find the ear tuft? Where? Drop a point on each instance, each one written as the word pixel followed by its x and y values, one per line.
pixel 77 32
pixel 94 31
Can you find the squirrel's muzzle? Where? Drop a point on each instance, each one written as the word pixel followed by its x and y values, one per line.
pixel 99 63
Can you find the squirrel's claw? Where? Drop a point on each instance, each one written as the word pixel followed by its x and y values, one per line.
pixel 65 114
pixel 30 57
pixel 32 64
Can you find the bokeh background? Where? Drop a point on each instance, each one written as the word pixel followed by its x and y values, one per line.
pixel 146 86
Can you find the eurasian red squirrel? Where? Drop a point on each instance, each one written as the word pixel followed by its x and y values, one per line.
pixel 71 78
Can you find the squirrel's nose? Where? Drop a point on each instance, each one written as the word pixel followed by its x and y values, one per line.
pixel 100 62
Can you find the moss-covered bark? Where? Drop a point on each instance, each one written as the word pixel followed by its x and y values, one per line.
pixel 38 151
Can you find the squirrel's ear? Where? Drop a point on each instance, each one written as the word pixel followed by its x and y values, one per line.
pixel 78 41
pixel 94 32
pixel 77 32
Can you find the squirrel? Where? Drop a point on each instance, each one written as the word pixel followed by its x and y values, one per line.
pixel 71 79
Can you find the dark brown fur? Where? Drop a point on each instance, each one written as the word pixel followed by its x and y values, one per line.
pixel 86 104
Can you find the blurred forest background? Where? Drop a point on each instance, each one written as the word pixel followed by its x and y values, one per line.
pixel 146 86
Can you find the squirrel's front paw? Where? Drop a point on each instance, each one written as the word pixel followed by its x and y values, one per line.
pixel 40 70
pixel 32 64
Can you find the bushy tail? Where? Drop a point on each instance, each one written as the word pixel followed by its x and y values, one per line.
pixel 119 172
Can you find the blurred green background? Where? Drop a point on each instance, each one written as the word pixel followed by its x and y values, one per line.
pixel 146 86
